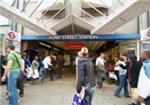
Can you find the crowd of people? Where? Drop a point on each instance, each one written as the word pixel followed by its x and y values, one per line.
pixel 17 68
pixel 126 73
pixel 127 70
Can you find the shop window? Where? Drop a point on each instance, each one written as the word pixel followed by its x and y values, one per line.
pixel 146 46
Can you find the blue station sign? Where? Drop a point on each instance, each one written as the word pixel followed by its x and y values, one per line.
pixel 80 37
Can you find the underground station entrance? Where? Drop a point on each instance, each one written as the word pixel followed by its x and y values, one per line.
pixel 69 45
pixel 61 91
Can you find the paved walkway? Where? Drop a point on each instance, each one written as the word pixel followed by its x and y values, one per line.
pixel 60 92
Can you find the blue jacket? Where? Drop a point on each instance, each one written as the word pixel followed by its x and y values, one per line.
pixel 146 65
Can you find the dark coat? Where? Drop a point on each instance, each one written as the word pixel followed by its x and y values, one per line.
pixel 135 70
pixel 85 73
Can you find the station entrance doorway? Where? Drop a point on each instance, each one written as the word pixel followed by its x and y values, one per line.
pixel 68 46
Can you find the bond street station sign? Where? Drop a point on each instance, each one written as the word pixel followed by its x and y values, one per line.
pixel 80 37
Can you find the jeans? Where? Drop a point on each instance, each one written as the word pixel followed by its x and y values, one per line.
pixel 12 88
pixel 122 84
pixel 42 75
pixel 101 76
pixel 88 98
pixel 147 101
pixel 51 74
pixel 20 83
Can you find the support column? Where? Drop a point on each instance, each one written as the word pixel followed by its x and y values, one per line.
pixel 138 52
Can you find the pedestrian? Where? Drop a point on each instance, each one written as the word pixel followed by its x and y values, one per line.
pixel 144 79
pixel 86 78
pixel 12 70
pixel 123 83
pixel 3 62
pixel 60 64
pixel 133 75
pixel 28 67
pixel 20 81
pixel 110 71
pixel 100 64
pixel 77 62
pixel 35 66
pixel 116 70
pixel 47 66
pixel 54 67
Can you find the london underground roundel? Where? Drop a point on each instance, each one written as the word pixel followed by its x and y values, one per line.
pixel 12 35
pixel 148 33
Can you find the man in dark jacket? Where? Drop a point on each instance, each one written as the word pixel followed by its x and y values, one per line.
pixel 133 75
pixel 3 62
pixel 86 76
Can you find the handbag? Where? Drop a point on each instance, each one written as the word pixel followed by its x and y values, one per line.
pixel 35 74
pixel 78 99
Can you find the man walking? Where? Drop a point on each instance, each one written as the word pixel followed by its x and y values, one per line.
pixel 47 66
pixel 100 64
pixel 12 70
pixel 144 79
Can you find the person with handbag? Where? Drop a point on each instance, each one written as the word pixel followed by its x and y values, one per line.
pixel 86 77
pixel 12 70
pixel 35 66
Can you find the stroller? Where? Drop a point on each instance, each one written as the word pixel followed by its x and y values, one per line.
pixel 111 77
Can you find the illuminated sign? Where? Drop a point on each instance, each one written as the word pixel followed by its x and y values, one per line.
pixel 72 46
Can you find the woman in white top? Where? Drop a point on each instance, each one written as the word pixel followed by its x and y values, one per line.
pixel 117 71
pixel 122 78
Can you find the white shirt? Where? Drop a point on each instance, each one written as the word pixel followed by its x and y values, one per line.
pixel 22 64
pixel 117 66
pixel 100 63
pixel 143 84
pixel 100 60
pixel 46 62
pixel 121 70
pixel 76 61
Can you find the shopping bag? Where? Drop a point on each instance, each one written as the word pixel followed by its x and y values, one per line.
pixel 112 76
pixel 77 100
pixel 35 74
pixel 29 73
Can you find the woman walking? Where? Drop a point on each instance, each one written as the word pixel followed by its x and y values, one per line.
pixel 122 78
pixel 86 78
pixel 35 66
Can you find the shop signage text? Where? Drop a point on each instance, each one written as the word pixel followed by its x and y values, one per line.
pixel 80 37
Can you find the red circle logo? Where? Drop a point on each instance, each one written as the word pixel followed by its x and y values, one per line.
pixel 148 33
pixel 11 35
